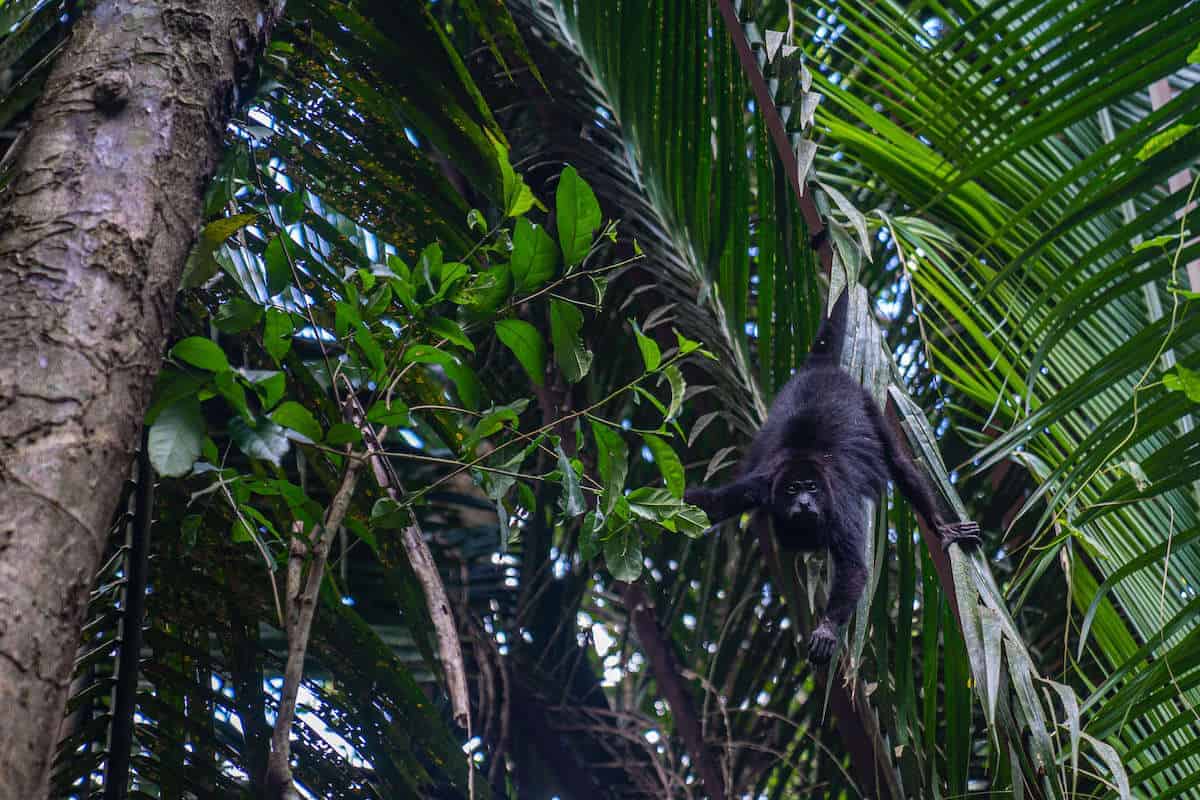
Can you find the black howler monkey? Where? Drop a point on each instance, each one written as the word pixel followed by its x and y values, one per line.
pixel 824 448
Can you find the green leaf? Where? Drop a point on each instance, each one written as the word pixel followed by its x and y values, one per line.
pixel 577 215
pixel 201 352
pixel 690 521
pixel 451 331
pixel 1194 56
pixel 487 292
pixel 277 333
pixel 1162 140
pixel 493 421
pixel 429 266
pixel 526 344
pixel 655 505
pixel 278 260
pixel 1157 241
pixel 573 503
pixel 343 433
pixel 201 264
pixel 1185 380
pixel 464 377
pixel 534 256
pixel 668 463
pixel 371 349
pixel 623 554
pixel 612 459
pixel 261 439
pixel 231 389
pixel 651 355
pixel 518 198
pixel 569 352
pixel 299 419
pixel 395 416
pixel 270 388
pixel 236 315
pixel 171 386
pixel 589 536
pixel 175 438
pixel 390 515
pixel 675 379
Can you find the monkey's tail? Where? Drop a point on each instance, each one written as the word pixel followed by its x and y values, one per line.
pixel 827 346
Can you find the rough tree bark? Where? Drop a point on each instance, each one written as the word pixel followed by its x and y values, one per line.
pixel 101 208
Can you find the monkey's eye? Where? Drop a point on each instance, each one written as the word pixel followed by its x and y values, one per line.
pixel 793 487
pixel 808 486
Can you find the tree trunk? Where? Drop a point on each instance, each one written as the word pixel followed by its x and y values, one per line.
pixel 101 207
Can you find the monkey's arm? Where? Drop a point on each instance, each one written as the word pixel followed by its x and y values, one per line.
pixel 849 578
pixel 915 486
pixel 729 500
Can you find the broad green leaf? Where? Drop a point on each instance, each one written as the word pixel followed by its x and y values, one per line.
pixel 452 273
pixel 278 257
pixel 277 333
pixel 577 215
pixel 612 458
pixel 175 438
pixel 463 376
pixel 1161 141
pixel 393 416
pixel 201 264
pixel 1182 379
pixel 487 291
pixel 371 349
pixel 573 503
pixel 668 463
pixel 691 521
pixel 623 554
pixel 451 331
pixel 231 389
pixel 390 515
pixel 343 433
pixel 201 352
pixel 534 256
pixel 237 315
pixel 171 386
pixel 262 439
pixel 651 355
pixel 652 504
pixel 569 352
pixel 518 198
pixel 296 417
pixel 270 388
pixel 429 267
pixel 589 536
pixel 526 344
pixel 493 421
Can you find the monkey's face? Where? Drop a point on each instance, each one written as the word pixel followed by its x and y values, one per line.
pixel 799 496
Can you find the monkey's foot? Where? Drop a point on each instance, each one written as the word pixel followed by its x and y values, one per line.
pixel 822 643
pixel 964 534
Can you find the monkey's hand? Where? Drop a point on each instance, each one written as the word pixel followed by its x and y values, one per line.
pixel 822 643
pixel 964 534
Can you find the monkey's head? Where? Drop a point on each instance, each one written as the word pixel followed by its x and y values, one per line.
pixel 799 494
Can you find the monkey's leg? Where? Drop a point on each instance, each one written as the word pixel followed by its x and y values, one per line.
pixel 849 578
pixel 915 486
pixel 729 500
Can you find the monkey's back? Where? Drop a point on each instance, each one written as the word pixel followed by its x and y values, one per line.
pixel 822 413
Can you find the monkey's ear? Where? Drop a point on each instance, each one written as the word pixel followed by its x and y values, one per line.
pixel 831 334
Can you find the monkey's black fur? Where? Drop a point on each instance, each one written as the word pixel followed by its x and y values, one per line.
pixel 824 448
